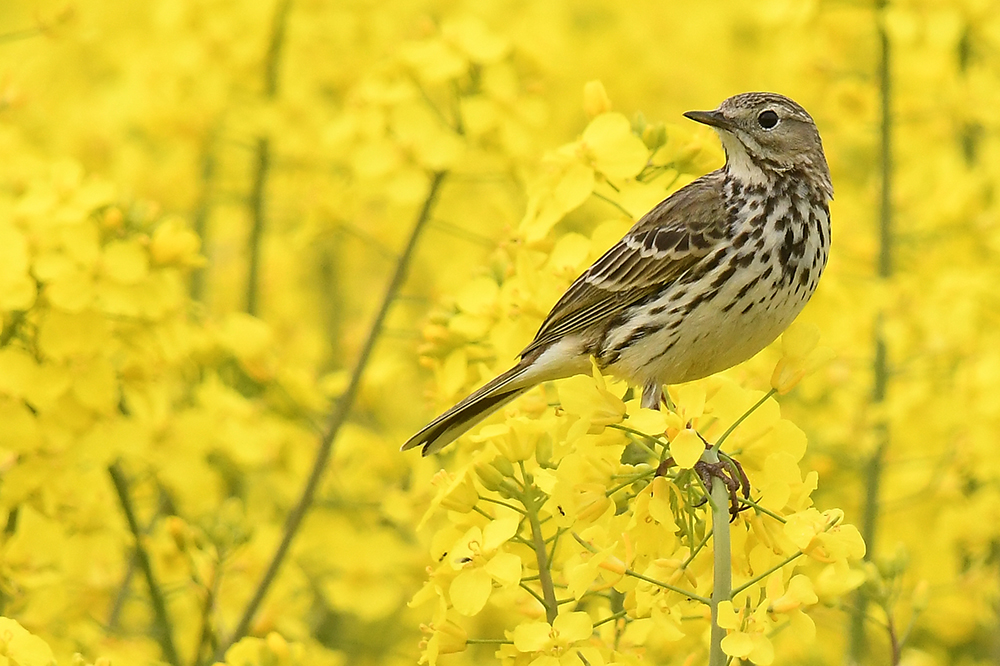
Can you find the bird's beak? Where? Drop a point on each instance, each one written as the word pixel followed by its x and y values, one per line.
pixel 712 118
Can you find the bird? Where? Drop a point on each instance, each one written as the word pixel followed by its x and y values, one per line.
pixel 703 281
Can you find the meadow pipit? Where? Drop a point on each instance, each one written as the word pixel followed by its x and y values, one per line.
pixel 704 281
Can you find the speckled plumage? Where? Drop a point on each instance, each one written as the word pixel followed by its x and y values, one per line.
pixel 702 282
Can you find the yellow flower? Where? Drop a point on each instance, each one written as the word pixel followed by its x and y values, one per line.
pixel 456 492
pixel 746 639
pixel 686 448
pixel 799 593
pixel 446 637
pixel 173 243
pixel 595 99
pixel 612 148
pixel 590 399
pixel 21 647
pixel 553 644
pixel 800 356
pixel 480 562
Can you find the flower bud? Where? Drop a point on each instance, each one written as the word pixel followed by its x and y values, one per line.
pixel 489 476
pixel 503 466
pixel 595 99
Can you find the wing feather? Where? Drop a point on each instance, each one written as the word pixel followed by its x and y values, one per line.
pixel 670 239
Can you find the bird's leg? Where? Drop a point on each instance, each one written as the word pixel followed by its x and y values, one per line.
pixel 709 471
pixel 652 395
pixel 731 473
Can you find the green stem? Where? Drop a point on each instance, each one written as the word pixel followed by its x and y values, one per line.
pixel 652 581
pixel 338 416
pixel 163 628
pixel 746 415
pixel 613 203
pixel 694 553
pixel 257 223
pixel 759 508
pixel 258 191
pixel 760 577
pixel 611 618
pixel 858 644
pixel 503 504
pixel 541 556
pixel 530 591
pixel 722 567
pixel 628 483
pixel 667 586
pixel 637 433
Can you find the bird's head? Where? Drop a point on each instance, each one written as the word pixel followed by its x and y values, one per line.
pixel 766 133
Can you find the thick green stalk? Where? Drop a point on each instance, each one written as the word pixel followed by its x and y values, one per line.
pixel 722 566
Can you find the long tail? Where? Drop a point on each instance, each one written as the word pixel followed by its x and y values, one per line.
pixel 453 423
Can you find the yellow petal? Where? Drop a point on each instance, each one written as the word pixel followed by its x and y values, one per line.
pixel 532 636
pixel 649 421
pixel 499 531
pixel 843 542
pixel 23 648
pixel 686 448
pixel 433 60
pixel 505 568
pixel 125 261
pixel 762 653
pixel 737 645
pixel 659 504
pixel 800 339
pixel 727 617
pixel 616 152
pixel 95 385
pixel 572 627
pixel 573 187
pixel 470 591
pixel 802 527
pixel 471 36
pixel 595 99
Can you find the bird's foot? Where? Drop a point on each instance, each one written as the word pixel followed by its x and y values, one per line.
pixel 730 472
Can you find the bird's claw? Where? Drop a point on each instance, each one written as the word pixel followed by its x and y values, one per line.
pixel 730 472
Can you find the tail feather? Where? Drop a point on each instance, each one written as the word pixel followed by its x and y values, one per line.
pixel 459 419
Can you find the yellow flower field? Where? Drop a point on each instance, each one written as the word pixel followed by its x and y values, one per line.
pixel 248 248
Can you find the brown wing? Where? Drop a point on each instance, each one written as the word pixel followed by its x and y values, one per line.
pixel 665 243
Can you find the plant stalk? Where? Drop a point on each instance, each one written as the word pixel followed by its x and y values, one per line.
pixel 857 645
pixel 722 566
pixel 163 628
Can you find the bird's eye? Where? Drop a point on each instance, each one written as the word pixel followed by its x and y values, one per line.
pixel 767 119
